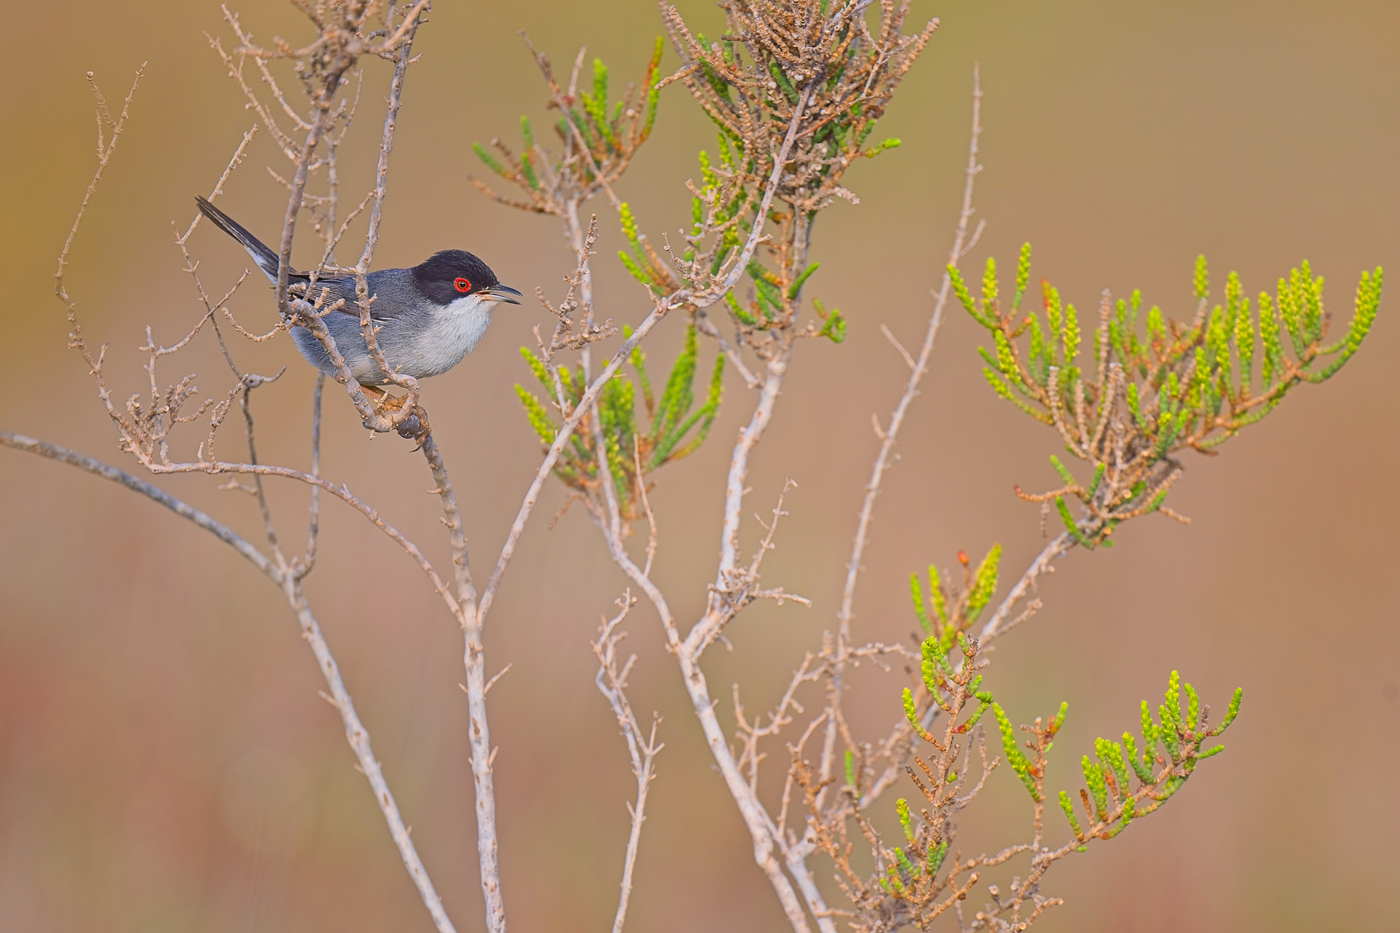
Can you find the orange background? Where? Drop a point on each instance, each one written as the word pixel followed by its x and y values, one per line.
pixel 165 763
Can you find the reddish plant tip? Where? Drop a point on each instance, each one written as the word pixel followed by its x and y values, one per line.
pixel 962 558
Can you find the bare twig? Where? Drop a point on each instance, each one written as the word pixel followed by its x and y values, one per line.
pixel 281 575
pixel 642 748
pixel 97 467
pixel 474 661
pixel 358 737
pixel 1042 564
pixel 890 432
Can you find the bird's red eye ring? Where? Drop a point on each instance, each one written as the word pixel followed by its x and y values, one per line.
pixel 463 285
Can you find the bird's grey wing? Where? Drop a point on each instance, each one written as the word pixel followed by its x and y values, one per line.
pixel 391 290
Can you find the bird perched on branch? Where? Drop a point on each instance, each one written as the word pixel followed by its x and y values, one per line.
pixel 427 317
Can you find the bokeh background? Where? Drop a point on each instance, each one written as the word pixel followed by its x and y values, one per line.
pixel 165 763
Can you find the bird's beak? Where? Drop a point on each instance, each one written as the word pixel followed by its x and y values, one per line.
pixel 500 293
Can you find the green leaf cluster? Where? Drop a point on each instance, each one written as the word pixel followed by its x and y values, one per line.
pixel 829 89
pixel 1172 744
pixel 642 260
pixel 598 136
pixel 665 429
pixel 1186 385
pixel 952 686
pixel 947 687
pixel 752 88
pixel 944 612
pixel 1154 386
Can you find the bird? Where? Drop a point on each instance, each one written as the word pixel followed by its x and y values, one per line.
pixel 428 317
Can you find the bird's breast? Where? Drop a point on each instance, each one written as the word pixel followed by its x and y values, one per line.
pixel 446 335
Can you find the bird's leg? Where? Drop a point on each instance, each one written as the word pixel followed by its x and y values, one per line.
pixel 381 399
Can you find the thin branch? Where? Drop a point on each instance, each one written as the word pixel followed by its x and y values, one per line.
pixel 566 431
pixel 642 748
pixel 474 662
pixel 890 433
pixel 358 737
pixel 997 624
pixel 97 467
pixel 313 519
pixel 355 732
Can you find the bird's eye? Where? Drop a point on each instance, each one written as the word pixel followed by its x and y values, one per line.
pixel 463 285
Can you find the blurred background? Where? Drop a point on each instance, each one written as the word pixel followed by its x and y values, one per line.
pixel 165 763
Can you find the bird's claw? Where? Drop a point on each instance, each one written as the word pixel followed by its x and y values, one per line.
pixel 415 426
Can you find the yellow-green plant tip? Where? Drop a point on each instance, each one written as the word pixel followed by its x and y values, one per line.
pixel 1231 713
pixel 989 287
pixel 1112 755
pixel 902 807
pixel 850 768
pixel 1063 470
pixel 1014 756
pixel 801 279
pixel 935 856
pixel 633 268
pixel 538 368
pixel 1098 479
pixel 960 289
pixel 707 173
pixel 527 168
pixel 1067 806
pixel 1098 787
pixel 1070 335
pixel 600 80
pixel 984 584
pixel 1040 358
pixel 910 711
pixel 835 327
pixel 1202 278
pixel 743 316
pixel 917 595
pixel 1023 274
pixel 1006 360
pixel 1002 389
pixel 977 714
pixel 1173 694
pixel 1054 312
pixel 535 412
pixel 930 661
pixel 1168 732
pixel 1211 751
pixel 935 590
pixel 491 163
pixel 1156 324
pixel 1071 527
pixel 1008 735
pixel 1193 707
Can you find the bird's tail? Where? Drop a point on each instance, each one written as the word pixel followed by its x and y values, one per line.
pixel 265 258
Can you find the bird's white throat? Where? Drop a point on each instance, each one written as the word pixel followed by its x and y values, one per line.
pixel 452 332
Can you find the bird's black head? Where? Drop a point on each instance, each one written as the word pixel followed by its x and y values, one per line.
pixel 455 273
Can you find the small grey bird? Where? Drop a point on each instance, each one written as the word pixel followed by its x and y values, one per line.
pixel 429 317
